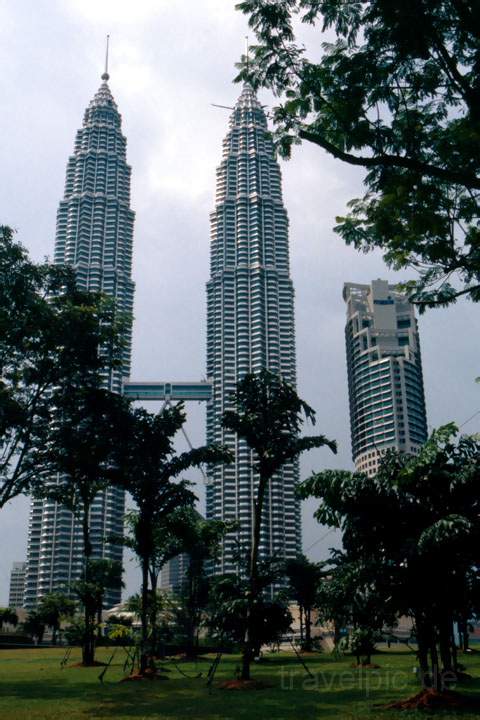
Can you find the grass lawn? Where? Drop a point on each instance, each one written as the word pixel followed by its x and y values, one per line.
pixel 33 687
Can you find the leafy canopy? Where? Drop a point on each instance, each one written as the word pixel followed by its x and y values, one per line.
pixel 394 90
pixel 269 416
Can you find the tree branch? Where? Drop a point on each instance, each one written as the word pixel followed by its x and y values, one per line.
pixel 385 160
pixel 465 291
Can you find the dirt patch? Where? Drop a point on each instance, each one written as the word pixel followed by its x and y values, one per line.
pixel 431 699
pixel 244 685
pixel 96 663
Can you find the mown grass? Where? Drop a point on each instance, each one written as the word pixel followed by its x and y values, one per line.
pixel 34 687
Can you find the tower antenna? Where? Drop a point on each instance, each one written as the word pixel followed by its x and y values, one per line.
pixel 105 75
pixel 247 53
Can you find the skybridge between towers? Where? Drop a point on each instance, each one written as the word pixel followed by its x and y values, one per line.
pixel 168 391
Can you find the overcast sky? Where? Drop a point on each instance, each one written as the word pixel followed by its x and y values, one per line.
pixel 168 62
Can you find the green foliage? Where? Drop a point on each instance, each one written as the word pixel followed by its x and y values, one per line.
pixel 201 542
pixel 362 643
pixel 31 356
pixel 147 468
pixel 74 451
pixel 34 625
pixel 8 616
pixel 120 633
pixel 304 578
pixel 268 416
pixel 401 103
pixel 101 575
pixel 54 607
pixel 75 632
pixel 228 615
pixel 410 541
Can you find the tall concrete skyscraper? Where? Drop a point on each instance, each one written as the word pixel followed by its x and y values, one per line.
pixel 250 323
pixel 94 235
pixel 385 381
pixel 17 585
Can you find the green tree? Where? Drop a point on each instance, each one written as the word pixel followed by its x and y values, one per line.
pixel 269 417
pixel 304 578
pixel 32 324
pixel 229 612
pixel 395 91
pixel 8 616
pixel 201 541
pixel 422 558
pixel 353 595
pixel 148 467
pixel 34 626
pixel 53 608
pixel 103 575
pixel 167 543
pixel 76 453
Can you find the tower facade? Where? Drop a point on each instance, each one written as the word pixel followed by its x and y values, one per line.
pixel 94 235
pixel 17 585
pixel 250 324
pixel 385 381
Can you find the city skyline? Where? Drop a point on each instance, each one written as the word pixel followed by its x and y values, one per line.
pixel 166 106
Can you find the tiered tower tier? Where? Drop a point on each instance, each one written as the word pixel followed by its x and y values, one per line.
pixel 94 235
pixel 250 319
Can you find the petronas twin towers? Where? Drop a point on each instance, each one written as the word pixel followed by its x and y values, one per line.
pixel 94 235
pixel 250 322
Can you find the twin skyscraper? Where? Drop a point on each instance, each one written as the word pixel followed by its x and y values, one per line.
pixel 250 326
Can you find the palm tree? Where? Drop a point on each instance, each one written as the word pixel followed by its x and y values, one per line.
pixel 268 416
pixel 304 579
pixel 34 626
pixel 52 608
pixel 103 575
pixel 201 541
pixel 8 616
pixel 148 465
pixel 167 543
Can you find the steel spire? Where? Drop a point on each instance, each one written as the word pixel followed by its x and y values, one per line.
pixel 105 75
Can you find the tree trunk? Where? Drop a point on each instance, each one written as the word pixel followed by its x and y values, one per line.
pixel 88 649
pixel 300 609
pixel 336 634
pixel 445 640
pixel 422 654
pixel 99 620
pixel 464 634
pixel 249 642
pixel 144 618
pixel 308 630
pixel 437 682
pixel 190 606
pixel 153 612
pixel 454 647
